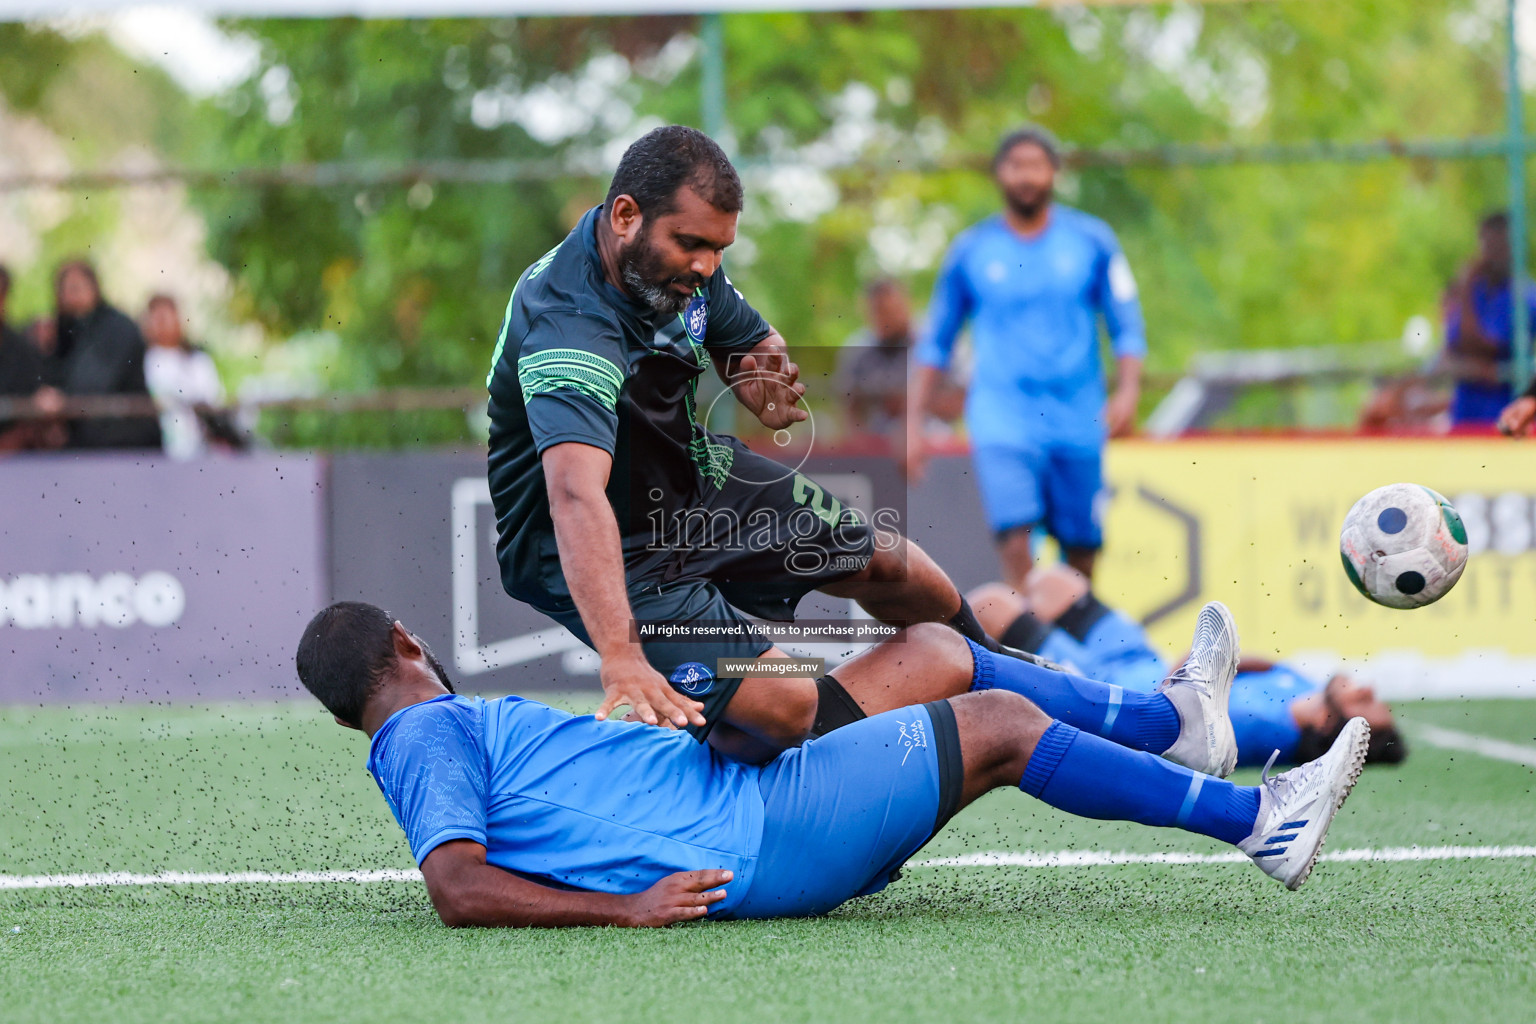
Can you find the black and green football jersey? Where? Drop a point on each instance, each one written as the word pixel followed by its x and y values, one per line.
pixel 578 360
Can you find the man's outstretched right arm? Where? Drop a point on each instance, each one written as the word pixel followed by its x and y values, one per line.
pixel 592 561
pixel 469 893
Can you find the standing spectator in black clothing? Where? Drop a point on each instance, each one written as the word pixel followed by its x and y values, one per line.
pixel 99 351
pixel 21 374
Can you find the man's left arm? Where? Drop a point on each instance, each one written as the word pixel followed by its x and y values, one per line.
pixel 766 381
pixel 1121 307
pixel 752 358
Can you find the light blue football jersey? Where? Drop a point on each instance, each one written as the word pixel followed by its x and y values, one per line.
pixel 566 799
pixel 1034 306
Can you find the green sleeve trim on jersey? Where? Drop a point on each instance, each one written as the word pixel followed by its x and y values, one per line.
pixel 501 339
pixel 506 318
pixel 572 369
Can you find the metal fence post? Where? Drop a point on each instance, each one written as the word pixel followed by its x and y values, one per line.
pixel 712 75
pixel 1515 156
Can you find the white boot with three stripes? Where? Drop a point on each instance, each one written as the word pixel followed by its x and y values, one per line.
pixel 1296 808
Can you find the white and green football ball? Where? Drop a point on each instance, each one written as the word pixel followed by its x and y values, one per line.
pixel 1403 546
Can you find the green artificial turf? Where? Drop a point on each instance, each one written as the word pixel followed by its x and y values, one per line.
pixel 279 788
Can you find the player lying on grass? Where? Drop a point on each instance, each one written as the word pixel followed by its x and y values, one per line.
pixel 519 814
pixel 1273 706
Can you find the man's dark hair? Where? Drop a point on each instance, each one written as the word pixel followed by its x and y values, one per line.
pixel 1498 220
pixel 5 279
pixel 661 162
pixel 345 652
pixel 83 266
pixel 1386 745
pixel 1031 134
pixel 883 286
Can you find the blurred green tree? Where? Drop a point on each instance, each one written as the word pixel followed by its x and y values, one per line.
pixel 863 138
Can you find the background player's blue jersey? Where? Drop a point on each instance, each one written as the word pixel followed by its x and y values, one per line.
pixel 601 806
pixel 1116 650
pixel 1034 307
pixel 1476 401
pixel 1260 707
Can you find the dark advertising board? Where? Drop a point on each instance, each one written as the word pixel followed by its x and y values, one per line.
pixel 133 578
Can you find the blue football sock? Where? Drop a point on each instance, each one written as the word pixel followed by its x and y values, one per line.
pixel 1094 778
pixel 1141 721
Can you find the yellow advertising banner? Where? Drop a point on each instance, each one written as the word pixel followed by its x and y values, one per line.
pixel 1255 523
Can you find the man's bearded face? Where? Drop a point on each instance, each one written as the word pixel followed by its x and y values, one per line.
pixel 650 279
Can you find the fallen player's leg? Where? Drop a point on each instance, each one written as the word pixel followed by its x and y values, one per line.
pixel 843 813
pixel 1273 706
pixel 1185 721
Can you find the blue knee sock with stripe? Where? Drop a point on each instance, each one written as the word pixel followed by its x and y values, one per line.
pixel 1094 778
pixel 1141 721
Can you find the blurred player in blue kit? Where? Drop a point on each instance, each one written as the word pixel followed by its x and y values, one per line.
pixel 1274 707
pixel 1034 283
pixel 522 815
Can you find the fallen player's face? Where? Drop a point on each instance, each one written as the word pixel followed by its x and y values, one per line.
pixel 1355 700
pixel 675 253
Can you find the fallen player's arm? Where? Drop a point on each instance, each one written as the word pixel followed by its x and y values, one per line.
pixel 592 561
pixel 469 893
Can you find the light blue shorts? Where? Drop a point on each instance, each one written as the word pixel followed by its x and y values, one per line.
pixel 842 813
pixel 1054 485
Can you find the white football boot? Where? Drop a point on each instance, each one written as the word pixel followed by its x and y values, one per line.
pixel 1199 689
pixel 1296 808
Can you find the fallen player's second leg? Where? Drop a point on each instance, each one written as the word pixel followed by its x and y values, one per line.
pixel 844 812
pixel 1186 721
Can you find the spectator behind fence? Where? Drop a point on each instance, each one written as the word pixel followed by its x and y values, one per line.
pixel 99 351
pixel 1479 327
pixel 872 367
pixel 183 380
pixel 21 376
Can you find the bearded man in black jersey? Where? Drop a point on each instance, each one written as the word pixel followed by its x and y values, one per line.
pixel 595 452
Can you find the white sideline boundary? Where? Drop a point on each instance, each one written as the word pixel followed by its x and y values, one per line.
pixel 991 858
pixel 1487 746
pixel 203 878
pixel 1097 858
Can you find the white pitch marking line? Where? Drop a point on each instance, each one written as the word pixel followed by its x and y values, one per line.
pixel 202 878
pixel 1096 858
pixel 1450 739
pixel 998 858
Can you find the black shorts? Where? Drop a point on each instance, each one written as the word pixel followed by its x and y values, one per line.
pixel 755 547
